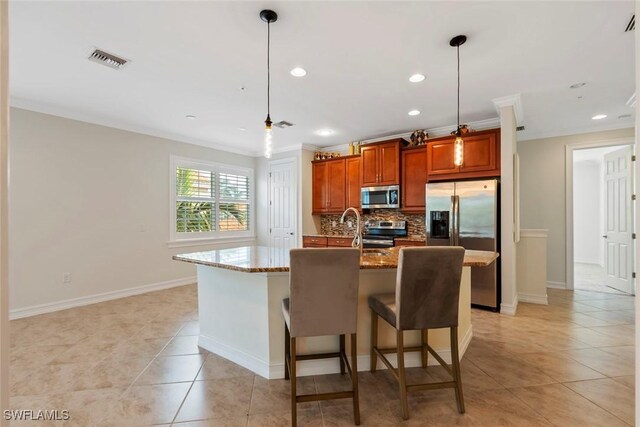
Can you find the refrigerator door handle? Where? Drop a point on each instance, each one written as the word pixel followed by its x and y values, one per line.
pixel 456 221
pixel 452 226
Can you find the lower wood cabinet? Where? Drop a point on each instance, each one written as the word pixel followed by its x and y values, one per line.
pixel 314 242
pixel 339 242
pixel 326 241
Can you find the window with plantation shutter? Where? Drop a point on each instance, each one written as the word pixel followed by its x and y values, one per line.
pixel 210 200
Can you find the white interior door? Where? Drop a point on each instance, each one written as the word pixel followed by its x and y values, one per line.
pixel 282 205
pixel 618 177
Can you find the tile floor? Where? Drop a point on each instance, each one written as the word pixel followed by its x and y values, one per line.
pixel 135 361
pixel 591 277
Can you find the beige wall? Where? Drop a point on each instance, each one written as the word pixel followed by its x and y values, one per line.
pixel 542 191
pixel 80 196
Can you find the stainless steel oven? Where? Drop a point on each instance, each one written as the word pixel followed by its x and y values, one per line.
pixel 380 197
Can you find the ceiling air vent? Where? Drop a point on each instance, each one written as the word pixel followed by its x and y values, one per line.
pixel 107 59
pixel 283 124
pixel 631 25
pixel 519 128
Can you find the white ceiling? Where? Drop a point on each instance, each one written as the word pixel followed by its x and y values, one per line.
pixel 193 57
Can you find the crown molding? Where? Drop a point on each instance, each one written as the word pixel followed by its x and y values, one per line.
pixel 510 100
pixel 631 103
pixel 530 136
pixel 65 113
pixel 433 133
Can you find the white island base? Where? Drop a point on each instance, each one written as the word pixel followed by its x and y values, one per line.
pixel 241 320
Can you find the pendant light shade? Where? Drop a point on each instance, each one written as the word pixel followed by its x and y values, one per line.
pixel 268 16
pixel 458 153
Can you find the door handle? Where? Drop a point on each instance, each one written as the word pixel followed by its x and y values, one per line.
pixel 291 234
pixel 605 236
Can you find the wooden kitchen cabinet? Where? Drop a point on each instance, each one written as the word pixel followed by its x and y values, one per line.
pixel 414 179
pixel 339 242
pixel 353 184
pixel 336 184
pixel 314 242
pixel 481 156
pixel 329 186
pixel 380 163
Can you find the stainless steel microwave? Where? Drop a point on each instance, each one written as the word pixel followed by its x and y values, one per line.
pixel 387 196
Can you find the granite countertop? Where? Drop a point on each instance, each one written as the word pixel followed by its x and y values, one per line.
pixel 337 236
pixel 414 238
pixel 263 259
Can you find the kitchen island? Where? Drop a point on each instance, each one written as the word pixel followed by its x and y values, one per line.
pixel 240 292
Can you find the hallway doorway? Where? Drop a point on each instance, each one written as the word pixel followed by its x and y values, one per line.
pixel 603 226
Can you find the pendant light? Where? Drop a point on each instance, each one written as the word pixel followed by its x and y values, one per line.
pixel 458 156
pixel 268 16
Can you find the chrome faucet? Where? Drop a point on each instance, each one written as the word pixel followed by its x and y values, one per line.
pixel 357 238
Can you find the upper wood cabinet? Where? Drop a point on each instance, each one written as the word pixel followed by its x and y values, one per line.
pixel 414 179
pixel 353 182
pixel 336 185
pixel 380 163
pixel 481 156
pixel 329 186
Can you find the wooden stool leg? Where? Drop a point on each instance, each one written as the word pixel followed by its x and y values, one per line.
pixel 402 379
pixel 287 351
pixel 425 352
pixel 374 341
pixel 342 351
pixel 455 368
pixel 294 415
pixel 354 379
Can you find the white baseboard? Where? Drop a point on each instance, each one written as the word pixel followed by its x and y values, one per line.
pixel 318 366
pixel 588 261
pixel 533 298
pixel 510 309
pixel 556 285
pixel 34 310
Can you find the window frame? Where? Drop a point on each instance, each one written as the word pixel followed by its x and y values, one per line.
pixel 176 238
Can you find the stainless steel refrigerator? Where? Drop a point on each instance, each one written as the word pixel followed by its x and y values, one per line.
pixel 465 213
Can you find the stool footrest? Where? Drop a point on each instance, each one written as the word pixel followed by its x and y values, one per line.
pixel 317 356
pixel 431 386
pixel 324 396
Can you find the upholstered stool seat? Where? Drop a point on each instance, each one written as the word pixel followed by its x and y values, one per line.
pixel 427 297
pixel 323 300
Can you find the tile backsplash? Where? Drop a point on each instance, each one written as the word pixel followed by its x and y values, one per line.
pixel 330 224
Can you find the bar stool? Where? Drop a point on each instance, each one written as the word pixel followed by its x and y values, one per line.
pixel 323 301
pixel 427 296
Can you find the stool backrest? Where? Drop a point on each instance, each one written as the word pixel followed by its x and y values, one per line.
pixel 323 291
pixel 428 287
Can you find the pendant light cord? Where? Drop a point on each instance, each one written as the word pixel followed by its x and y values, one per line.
pixel 458 51
pixel 268 68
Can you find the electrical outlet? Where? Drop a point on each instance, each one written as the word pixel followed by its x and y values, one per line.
pixel 350 224
pixel 334 223
pixel 66 278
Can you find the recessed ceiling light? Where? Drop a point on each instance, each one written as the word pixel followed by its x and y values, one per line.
pixel 242 129
pixel 416 78
pixel 414 112
pixel 324 132
pixel 298 72
pixel 190 116
pixel 599 117
pixel 577 85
